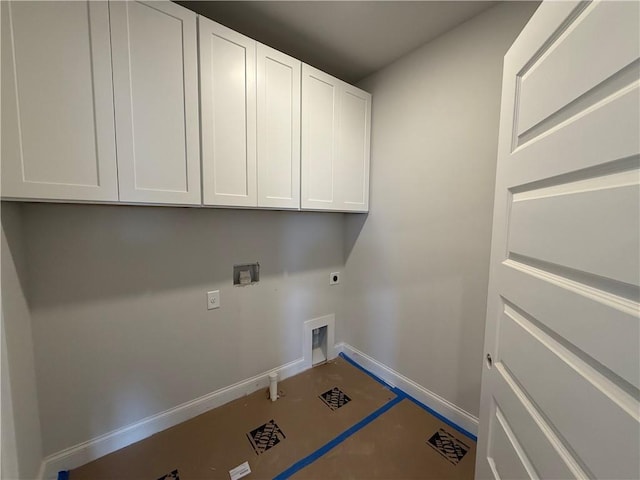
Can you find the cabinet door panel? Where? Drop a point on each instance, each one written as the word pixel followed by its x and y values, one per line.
pixel 156 98
pixel 278 85
pixel 58 139
pixel 336 124
pixel 352 176
pixel 228 103
pixel 320 106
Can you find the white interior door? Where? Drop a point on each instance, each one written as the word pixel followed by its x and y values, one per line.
pixel 155 74
pixel 560 397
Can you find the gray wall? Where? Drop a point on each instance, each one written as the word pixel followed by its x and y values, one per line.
pixel 118 294
pixel 20 418
pixel 118 302
pixel 417 267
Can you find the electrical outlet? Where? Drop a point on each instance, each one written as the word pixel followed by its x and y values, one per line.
pixel 334 278
pixel 213 299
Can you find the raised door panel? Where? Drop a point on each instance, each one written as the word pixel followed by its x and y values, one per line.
pixel 58 139
pixel 552 88
pixel 505 450
pixel 228 107
pixel 320 110
pixel 352 177
pixel 547 223
pixel 156 99
pixel 278 153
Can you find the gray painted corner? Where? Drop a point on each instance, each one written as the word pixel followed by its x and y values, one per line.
pixel 418 266
pixel 348 39
pixel 19 383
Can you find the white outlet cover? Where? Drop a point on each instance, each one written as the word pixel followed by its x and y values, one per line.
pixel 334 278
pixel 213 299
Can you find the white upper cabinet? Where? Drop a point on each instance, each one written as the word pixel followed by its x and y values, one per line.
pixel 278 97
pixel 58 140
pixel 320 99
pixel 156 102
pixel 228 116
pixel 352 177
pixel 101 102
pixel 336 122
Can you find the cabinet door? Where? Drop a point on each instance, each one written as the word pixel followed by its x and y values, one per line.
pixel 320 110
pixel 352 167
pixel 278 84
pixel 58 140
pixel 228 115
pixel 156 102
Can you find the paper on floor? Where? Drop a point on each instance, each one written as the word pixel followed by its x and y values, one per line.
pixel 240 471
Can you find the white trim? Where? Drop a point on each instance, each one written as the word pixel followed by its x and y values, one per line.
pixel 328 321
pixel 90 450
pixel 432 400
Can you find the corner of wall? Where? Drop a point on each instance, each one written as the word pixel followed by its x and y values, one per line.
pixel 417 265
pixel 20 413
pixel 9 453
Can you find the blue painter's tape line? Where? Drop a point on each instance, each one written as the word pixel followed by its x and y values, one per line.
pixel 404 394
pixel 442 418
pixel 362 369
pixel 299 465
pixel 63 475
pixel 400 395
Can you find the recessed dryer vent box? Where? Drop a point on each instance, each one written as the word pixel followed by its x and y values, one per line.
pixel 319 340
pixel 319 345
pixel 246 274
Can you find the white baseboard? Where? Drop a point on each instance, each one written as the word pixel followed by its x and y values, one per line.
pixel 88 451
pixel 432 400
